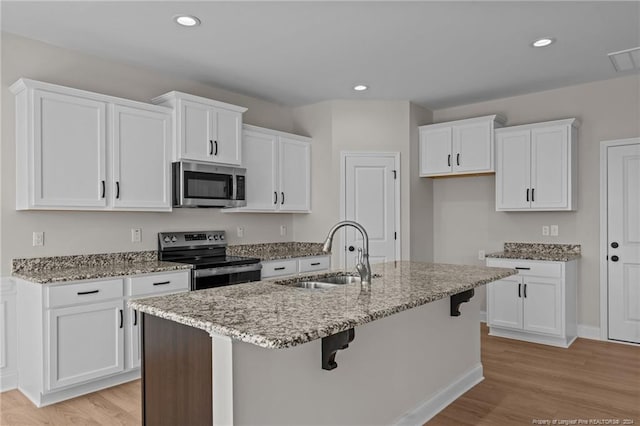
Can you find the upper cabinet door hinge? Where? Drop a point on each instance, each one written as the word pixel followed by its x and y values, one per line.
pixel 395 174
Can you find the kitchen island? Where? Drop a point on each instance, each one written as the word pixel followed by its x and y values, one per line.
pixel 271 353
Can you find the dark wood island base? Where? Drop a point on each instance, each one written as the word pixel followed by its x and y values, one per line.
pixel 176 374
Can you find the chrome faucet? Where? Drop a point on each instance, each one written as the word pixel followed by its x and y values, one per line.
pixel 363 267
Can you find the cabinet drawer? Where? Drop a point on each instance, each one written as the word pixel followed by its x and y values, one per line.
pixel 86 292
pixel 529 267
pixel 309 264
pixel 279 267
pixel 158 283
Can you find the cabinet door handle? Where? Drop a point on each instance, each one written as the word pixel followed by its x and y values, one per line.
pixel 525 290
pixel 458 158
pixel 121 318
pixel 281 268
pixel 315 264
pixel 449 160
pixel 135 318
pixel 216 151
pixel 527 195
pixel 162 283
pixel 117 190
pixel 82 293
pixel 282 201
pixel 275 197
pixel 103 189
pixel 519 290
pixel 533 197
pixel 522 268
pixel 210 147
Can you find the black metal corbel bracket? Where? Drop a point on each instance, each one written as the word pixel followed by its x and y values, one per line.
pixel 458 299
pixel 332 344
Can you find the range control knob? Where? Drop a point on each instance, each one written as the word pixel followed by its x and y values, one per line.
pixel 174 239
pixel 215 237
pixel 167 240
pixel 209 237
pixel 221 237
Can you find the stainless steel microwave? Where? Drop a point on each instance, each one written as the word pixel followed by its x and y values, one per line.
pixel 207 185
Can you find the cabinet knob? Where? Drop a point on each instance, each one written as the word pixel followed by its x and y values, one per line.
pixel 614 245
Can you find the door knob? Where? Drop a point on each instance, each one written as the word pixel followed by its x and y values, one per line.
pixel 614 258
pixel 614 244
pixel 351 248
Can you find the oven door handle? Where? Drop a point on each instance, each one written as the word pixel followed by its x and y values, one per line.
pixel 201 273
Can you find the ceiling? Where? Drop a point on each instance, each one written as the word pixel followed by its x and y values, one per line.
pixel 437 54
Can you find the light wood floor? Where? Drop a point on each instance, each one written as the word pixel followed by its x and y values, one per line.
pixel 523 382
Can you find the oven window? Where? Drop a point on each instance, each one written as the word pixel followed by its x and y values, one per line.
pixel 207 185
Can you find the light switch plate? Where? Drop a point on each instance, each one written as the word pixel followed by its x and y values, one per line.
pixel 240 232
pixel 136 235
pixel 554 230
pixel 481 255
pixel 283 230
pixel 38 239
pixel 545 230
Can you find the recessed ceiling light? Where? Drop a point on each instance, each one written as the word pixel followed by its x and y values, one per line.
pixel 187 20
pixel 543 42
pixel 360 87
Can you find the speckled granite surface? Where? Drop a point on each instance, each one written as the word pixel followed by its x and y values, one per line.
pixel 57 269
pixel 539 251
pixel 272 314
pixel 272 251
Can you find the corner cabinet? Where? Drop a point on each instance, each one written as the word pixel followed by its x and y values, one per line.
pixel 77 150
pixel 538 305
pixel 278 171
pixel 458 147
pixel 536 166
pixel 205 130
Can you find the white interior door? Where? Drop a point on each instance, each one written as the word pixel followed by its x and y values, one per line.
pixel 370 199
pixel 623 241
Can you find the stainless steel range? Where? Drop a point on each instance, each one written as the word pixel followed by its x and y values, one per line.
pixel 207 252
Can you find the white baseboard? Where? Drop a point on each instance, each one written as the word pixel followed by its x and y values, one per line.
pixel 8 382
pixel 483 316
pixel 589 332
pixel 432 406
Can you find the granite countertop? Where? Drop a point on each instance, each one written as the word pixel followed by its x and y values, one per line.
pixel 272 314
pixel 274 251
pixel 539 251
pixel 59 269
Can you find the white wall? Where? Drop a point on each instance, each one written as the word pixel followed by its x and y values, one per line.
pixel 98 232
pixel 465 219
pixel 361 126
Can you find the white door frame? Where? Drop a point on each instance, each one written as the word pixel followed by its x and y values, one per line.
pixel 343 201
pixel 604 220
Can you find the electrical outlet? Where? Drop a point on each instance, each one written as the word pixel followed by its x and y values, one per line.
pixel 38 239
pixel 481 255
pixel 136 235
pixel 283 230
pixel 554 230
pixel 545 230
pixel 240 231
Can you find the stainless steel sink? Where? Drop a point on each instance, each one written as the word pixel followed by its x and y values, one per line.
pixel 327 282
pixel 339 280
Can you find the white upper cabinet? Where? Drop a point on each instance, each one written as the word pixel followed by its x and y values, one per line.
pixel 458 147
pixel 536 166
pixel 278 171
pixel 78 150
pixel 206 130
pixel 141 155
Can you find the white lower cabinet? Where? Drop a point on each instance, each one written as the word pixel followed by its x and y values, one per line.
pixel 284 267
pixel 76 338
pixel 85 342
pixel 537 305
